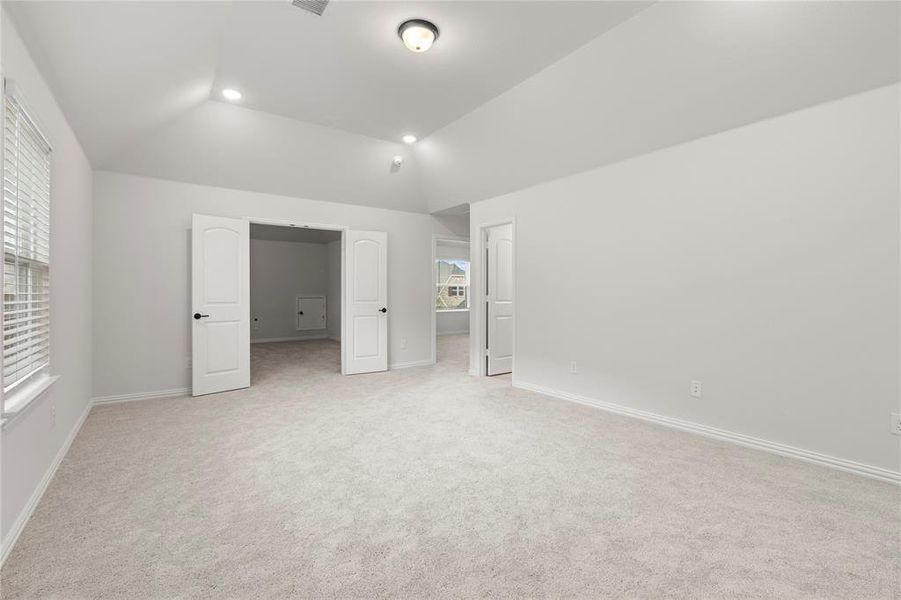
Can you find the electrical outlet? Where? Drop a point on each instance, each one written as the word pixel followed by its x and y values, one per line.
pixel 188 364
pixel 573 367
pixel 695 389
pixel 896 423
pixel 256 323
pixel 403 343
pixel 52 416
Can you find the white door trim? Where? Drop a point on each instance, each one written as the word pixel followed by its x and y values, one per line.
pixel 299 223
pixel 479 316
pixel 438 237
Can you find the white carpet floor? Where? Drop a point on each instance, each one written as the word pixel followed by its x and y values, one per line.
pixel 426 482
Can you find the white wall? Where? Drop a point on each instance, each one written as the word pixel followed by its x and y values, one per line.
pixel 32 440
pixel 333 289
pixel 452 250
pixel 279 272
pixel 141 251
pixel 674 72
pixel 763 261
pixel 452 322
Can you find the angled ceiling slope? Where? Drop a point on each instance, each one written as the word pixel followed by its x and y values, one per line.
pixel 326 99
pixel 514 93
pixel 676 72
pixel 349 70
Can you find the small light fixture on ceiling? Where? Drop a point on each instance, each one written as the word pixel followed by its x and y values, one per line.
pixel 418 35
pixel 409 139
pixel 230 94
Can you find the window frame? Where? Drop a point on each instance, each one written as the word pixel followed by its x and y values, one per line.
pixel 462 289
pixel 16 396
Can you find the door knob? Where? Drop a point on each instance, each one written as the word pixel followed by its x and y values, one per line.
pixel 199 316
pixel 383 310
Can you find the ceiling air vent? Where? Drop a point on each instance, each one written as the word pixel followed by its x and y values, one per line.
pixel 317 7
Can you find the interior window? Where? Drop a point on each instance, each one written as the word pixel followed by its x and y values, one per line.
pixel 452 285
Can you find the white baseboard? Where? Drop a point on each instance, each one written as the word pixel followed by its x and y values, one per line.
pixel 406 365
pixel 141 396
pixel 453 332
pixel 319 335
pixel 19 525
pixel 724 435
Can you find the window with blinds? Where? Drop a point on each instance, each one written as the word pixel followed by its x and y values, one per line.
pixel 26 247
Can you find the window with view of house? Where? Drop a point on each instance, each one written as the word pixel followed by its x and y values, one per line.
pixel 452 286
pixel 26 248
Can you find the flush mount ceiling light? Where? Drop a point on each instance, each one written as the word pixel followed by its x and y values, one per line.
pixel 230 94
pixel 409 139
pixel 418 35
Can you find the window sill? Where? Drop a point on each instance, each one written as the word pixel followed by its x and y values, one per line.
pixel 452 310
pixel 16 403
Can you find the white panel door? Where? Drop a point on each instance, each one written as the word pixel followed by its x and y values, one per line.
pixel 365 339
pixel 500 299
pixel 220 297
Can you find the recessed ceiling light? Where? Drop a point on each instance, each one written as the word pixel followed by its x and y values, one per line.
pixel 418 35
pixel 230 94
pixel 409 139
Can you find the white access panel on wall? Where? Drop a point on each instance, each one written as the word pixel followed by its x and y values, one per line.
pixel 311 313
pixel 365 318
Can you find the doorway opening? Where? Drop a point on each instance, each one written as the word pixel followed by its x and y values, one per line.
pixel 496 299
pixel 220 296
pixel 295 298
pixel 450 301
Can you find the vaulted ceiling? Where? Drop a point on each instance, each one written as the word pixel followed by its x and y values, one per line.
pixel 513 93
pixel 675 72
pixel 120 68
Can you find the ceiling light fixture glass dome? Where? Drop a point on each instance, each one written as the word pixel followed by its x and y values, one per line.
pixel 231 94
pixel 418 35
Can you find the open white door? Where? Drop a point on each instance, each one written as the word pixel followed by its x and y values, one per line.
pixel 365 339
pixel 220 297
pixel 500 299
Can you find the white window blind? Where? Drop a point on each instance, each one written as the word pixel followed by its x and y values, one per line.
pixel 26 246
